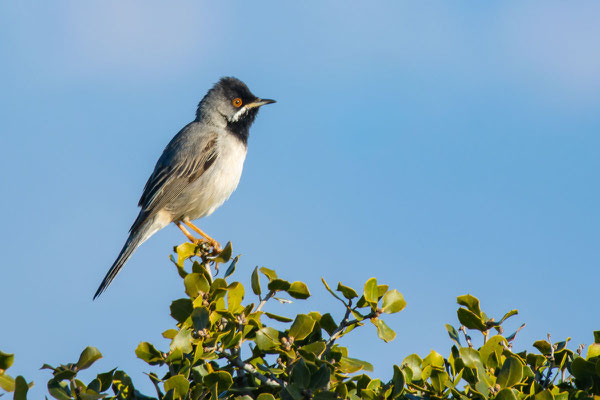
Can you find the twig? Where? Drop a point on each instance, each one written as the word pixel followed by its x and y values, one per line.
pixel 467 337
pixel 273 382
pixel 264 301
pixel 343 325
pixel 551 361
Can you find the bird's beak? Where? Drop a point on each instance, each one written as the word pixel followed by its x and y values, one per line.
pixel 259 102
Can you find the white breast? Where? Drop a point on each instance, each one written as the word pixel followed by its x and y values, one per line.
pixel 218 183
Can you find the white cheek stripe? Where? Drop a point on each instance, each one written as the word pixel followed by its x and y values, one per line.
pixel 239 114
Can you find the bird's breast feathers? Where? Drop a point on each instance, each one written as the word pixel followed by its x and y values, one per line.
pixel 220 180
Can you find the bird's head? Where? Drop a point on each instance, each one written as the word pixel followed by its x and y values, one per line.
pixel 231 102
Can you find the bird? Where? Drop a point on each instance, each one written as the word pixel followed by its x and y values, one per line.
pixel 198 170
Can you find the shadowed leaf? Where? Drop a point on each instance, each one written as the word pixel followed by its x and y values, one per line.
pixel 255 279
pixel 88 356
pixel 347 291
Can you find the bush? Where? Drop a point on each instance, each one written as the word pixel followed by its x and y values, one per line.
pixel 213 324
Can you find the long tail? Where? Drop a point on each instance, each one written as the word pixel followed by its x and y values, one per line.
pixel 140 232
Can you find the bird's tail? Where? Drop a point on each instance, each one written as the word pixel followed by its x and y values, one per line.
pixel 139 233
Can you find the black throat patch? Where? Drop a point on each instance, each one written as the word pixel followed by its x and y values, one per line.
pixel 241 127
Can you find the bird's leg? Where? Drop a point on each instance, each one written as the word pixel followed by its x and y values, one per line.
pixel 186 233
pixel 210 240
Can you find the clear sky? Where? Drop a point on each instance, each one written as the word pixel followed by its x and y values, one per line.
pixel 443 147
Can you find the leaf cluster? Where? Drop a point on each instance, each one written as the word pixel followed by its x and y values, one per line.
pixel 222 346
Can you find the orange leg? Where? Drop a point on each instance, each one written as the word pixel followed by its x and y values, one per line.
pixel 210 240
pixel 186 233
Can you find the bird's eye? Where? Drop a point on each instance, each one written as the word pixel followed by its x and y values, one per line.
pixel 237 102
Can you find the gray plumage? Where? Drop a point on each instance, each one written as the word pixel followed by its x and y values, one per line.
pixel 198 170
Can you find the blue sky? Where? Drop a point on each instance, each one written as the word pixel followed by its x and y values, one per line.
pixel 445 148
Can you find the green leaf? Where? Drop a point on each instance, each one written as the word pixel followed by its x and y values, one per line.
pixel 179 384
pixel 278 317
pixel 105 379
pixel 321 378
pixel 412 364
pixel 182 342
pixel 269 273
pixel 256 282
pixel 350 365
pixel 231 268
pixel 88 356
pixel 435 359
pixel 453 333
pixel 508 315
pixel 328 323
pixel 597 337
pixel 316 348
pixel 582 369
pixel 543 346
pixel 438 380
pixel 6 360
pixel 371 292
pixel 511 373
pixel 393 302
pixel 593 350
pixel 185 251
pixel 224 255
pixel 278 284
pixel 399 381
pixel 299 290
pixel 470 319
pixel 7 383
pixel 471 302
pixel 544 395
pixel 222 379
pixel 267 338
pixel 59 389
pixel 265 396
pixel 148 353
pixel 300 374
pixel 495 345
pixel 470 357
pixel 200 318
pixel 384 332
pixel 235 295
pixel 302 327
pixel 181 309
pixel 195 284
pixel 347 291
pixel 506 394
pixel 21 388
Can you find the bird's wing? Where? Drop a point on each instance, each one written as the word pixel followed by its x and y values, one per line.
pixel 183 161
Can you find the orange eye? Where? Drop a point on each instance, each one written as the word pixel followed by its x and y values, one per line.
pixel 237 102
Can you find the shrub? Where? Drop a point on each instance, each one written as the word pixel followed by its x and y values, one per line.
pixel 213 324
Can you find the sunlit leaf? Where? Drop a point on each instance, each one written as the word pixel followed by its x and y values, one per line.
pixel 298 290
pixel 471 302
pixel 302 327
pixel 179 384
pixel 384 332
pixel 269 273
pixel 393 302
pixel 148 353
pixel 370 291
pixel 511 373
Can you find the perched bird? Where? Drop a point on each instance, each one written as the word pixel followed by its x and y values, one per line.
pixel 198 170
